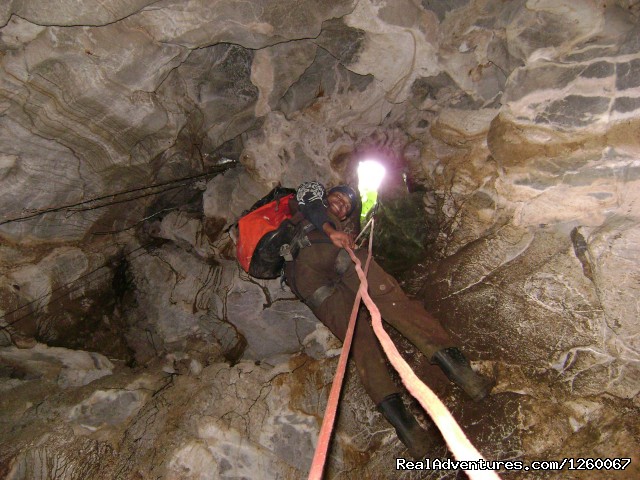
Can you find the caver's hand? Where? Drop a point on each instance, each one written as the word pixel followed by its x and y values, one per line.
pixel 339 239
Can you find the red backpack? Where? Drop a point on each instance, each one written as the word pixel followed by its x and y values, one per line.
pixel 262 231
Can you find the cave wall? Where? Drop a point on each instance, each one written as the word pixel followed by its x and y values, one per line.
pixel 133 134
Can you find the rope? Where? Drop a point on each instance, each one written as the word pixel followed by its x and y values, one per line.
pixel 88 204
pixel 456 440
pixel 67 288
pixel 320 456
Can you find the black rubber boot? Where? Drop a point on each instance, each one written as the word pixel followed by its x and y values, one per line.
pixel 457 368
pixel 408 430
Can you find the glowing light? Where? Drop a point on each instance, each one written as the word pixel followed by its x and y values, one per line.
pixel 370 176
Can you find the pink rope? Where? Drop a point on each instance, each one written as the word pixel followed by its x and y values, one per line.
pixel 457 441
pixel 320 456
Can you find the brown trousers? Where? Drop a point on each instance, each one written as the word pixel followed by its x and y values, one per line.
pixel 315 267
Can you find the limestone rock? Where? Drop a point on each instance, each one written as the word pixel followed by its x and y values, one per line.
pixel 182 298
pixel 579 342
pixel 177 298
pixel 228 195
pixel 342 41
pixel 106 408
pixel 611 256
pixel 253 422
pixel 464 124
pixel 544 28
pixel 84 162
pixel 217 80
pixel 67 368
pixel 274 69
pixel 273 320
pixel 188 231
pixel 289 155
pixel 70 13
pixel 34 290
pixel 22 157
pixel 398 45
pixel 18 31
pixel 325 77
pixel 587 94
pixel 197 24
pixel 442 7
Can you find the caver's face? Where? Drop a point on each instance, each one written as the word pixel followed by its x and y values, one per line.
pixel 339 204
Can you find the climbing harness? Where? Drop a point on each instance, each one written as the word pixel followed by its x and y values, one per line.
pixel 457 441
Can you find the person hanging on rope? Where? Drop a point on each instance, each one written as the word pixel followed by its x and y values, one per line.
pixel 320 272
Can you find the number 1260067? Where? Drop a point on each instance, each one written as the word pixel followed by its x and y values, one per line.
pixel 597 463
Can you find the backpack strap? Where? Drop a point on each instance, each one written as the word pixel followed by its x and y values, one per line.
pixel 300 240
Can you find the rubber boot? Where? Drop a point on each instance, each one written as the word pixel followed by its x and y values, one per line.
pixel 457 368
pixel 408 430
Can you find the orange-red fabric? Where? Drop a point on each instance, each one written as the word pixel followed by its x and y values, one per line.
pixel 253 226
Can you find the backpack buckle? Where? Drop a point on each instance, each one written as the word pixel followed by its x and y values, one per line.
pixel 285 252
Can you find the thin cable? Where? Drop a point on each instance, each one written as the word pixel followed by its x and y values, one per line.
pixel 116 202
pixel 112 195
pixel 364 230
pixel 149 217
pixel 108 263
pixel 67 285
